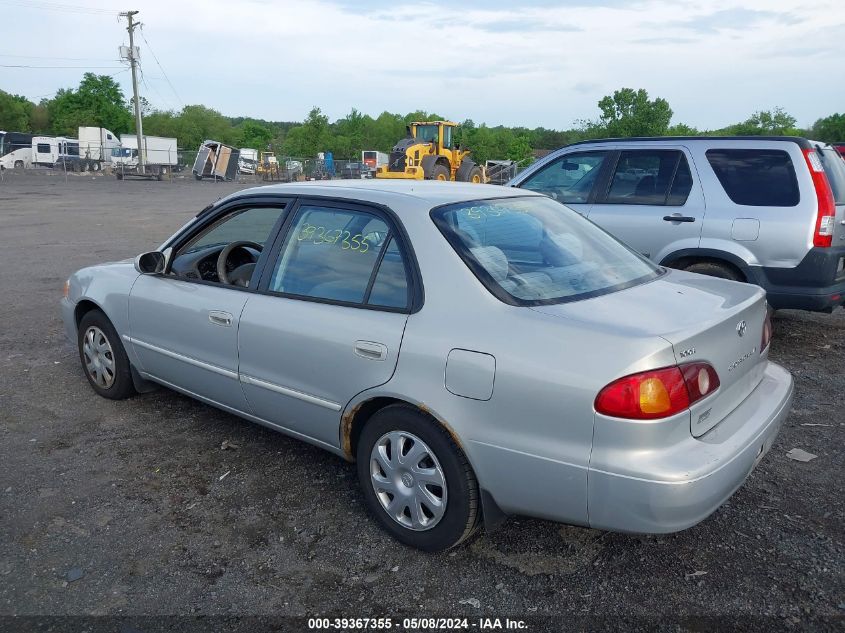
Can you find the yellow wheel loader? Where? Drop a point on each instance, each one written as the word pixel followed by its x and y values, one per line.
pixel 428 153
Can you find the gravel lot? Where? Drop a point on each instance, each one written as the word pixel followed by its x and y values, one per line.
pixel 129 493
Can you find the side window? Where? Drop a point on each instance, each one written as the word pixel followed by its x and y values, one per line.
pixel 252 225
pixel 653 177
pixel 198 258
pixel 570 178
pixel 756 177
pixel 390 288
pixel 337 254
pixel 43 148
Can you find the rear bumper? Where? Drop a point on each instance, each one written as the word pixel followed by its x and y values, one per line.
pixel 713 467
pixel 817 283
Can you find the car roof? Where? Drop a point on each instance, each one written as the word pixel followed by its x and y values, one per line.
pixel 395 194
pixel 800 141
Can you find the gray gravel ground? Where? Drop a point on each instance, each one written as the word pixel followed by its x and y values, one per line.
pixel 128 494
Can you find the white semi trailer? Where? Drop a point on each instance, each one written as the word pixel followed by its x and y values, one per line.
pixel 160 153
pixel 95 147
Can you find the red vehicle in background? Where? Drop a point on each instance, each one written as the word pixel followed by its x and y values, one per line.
pixel 840 147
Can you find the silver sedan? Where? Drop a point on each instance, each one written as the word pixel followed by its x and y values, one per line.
pixel 478 351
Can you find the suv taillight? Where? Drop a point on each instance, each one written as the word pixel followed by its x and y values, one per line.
pixel 826 214
pixel 658 393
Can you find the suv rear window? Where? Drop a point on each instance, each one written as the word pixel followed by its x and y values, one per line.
pixel 834 169
pixel 756 177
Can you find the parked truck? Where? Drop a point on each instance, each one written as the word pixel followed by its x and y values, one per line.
pixel 95 147
pixel 160 154
pixel 247 160
pixel 373 160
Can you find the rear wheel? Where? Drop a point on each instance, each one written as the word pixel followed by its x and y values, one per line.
pixel 18 164
pixel 715 269
pixel 416 480
pixel 103 357
pixel 440 172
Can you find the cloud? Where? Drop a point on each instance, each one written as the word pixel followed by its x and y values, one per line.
pixel 534 63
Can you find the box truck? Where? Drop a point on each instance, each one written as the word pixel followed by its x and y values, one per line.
pixel 160 153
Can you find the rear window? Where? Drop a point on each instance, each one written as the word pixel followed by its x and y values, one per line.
pixel 535 251
pixel 756 177
pixel 834 169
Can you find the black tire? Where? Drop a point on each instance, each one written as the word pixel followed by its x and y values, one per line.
pixel 463 511
pixel 440 172
pixel 475 175
pixel 119 176
pixel 121 386
pixel 197 176
pixel 18 164
pixel 714 269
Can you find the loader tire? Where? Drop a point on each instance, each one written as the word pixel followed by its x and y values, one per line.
pixel 440 172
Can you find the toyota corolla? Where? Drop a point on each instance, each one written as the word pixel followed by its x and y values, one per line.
pixel 477 351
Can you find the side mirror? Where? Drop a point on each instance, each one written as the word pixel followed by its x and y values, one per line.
pixel 567 166
pixel 152 263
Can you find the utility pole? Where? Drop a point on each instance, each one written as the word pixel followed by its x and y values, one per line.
pixel 133 61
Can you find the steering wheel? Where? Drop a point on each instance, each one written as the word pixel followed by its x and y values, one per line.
pixel 242 274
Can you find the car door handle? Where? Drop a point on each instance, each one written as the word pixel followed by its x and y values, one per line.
pixel 677 217
pixel 371 350
pixel 219 317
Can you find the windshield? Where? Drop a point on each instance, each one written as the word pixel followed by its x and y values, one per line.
pixel 427 133
pixel 535 251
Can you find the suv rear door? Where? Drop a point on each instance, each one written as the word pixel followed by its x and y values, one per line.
pixel 652 199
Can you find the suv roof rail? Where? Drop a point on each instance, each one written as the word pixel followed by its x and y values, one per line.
pixel 802 142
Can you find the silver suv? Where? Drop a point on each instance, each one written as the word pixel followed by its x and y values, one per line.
pixel 764 210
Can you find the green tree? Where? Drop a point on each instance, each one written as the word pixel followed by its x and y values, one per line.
pixel 309 138
pixel 254 135
pixel 830 129
pixel 630 112
pixel 98 101
pixel 765 122
pixel 15 112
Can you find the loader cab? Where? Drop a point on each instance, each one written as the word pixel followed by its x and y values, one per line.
pixel 437 132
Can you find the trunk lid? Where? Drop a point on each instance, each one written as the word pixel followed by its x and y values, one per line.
pixel 701 317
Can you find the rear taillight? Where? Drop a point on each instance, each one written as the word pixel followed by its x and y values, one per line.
pixel 826 214
pixel 658 393
pixel 767 333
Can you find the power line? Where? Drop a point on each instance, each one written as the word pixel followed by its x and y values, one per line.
pixel 44 67
pixel 64 59
pixel 56 6
pixel 144 37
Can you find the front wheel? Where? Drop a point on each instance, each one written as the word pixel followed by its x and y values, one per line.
pixel 416 480
pixel 440 172
pixel 103 357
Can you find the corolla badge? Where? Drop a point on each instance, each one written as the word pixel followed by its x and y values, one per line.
pixel 740 328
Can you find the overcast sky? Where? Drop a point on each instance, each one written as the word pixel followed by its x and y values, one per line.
pixel 500 62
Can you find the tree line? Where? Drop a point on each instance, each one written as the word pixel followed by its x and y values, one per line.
pixel 99 101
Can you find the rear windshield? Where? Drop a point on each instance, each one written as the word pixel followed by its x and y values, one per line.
pixel 535 251
pixel 756 177
pixel 834 169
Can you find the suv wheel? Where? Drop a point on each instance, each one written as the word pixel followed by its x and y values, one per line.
pixel 416 480
pixel 714 269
